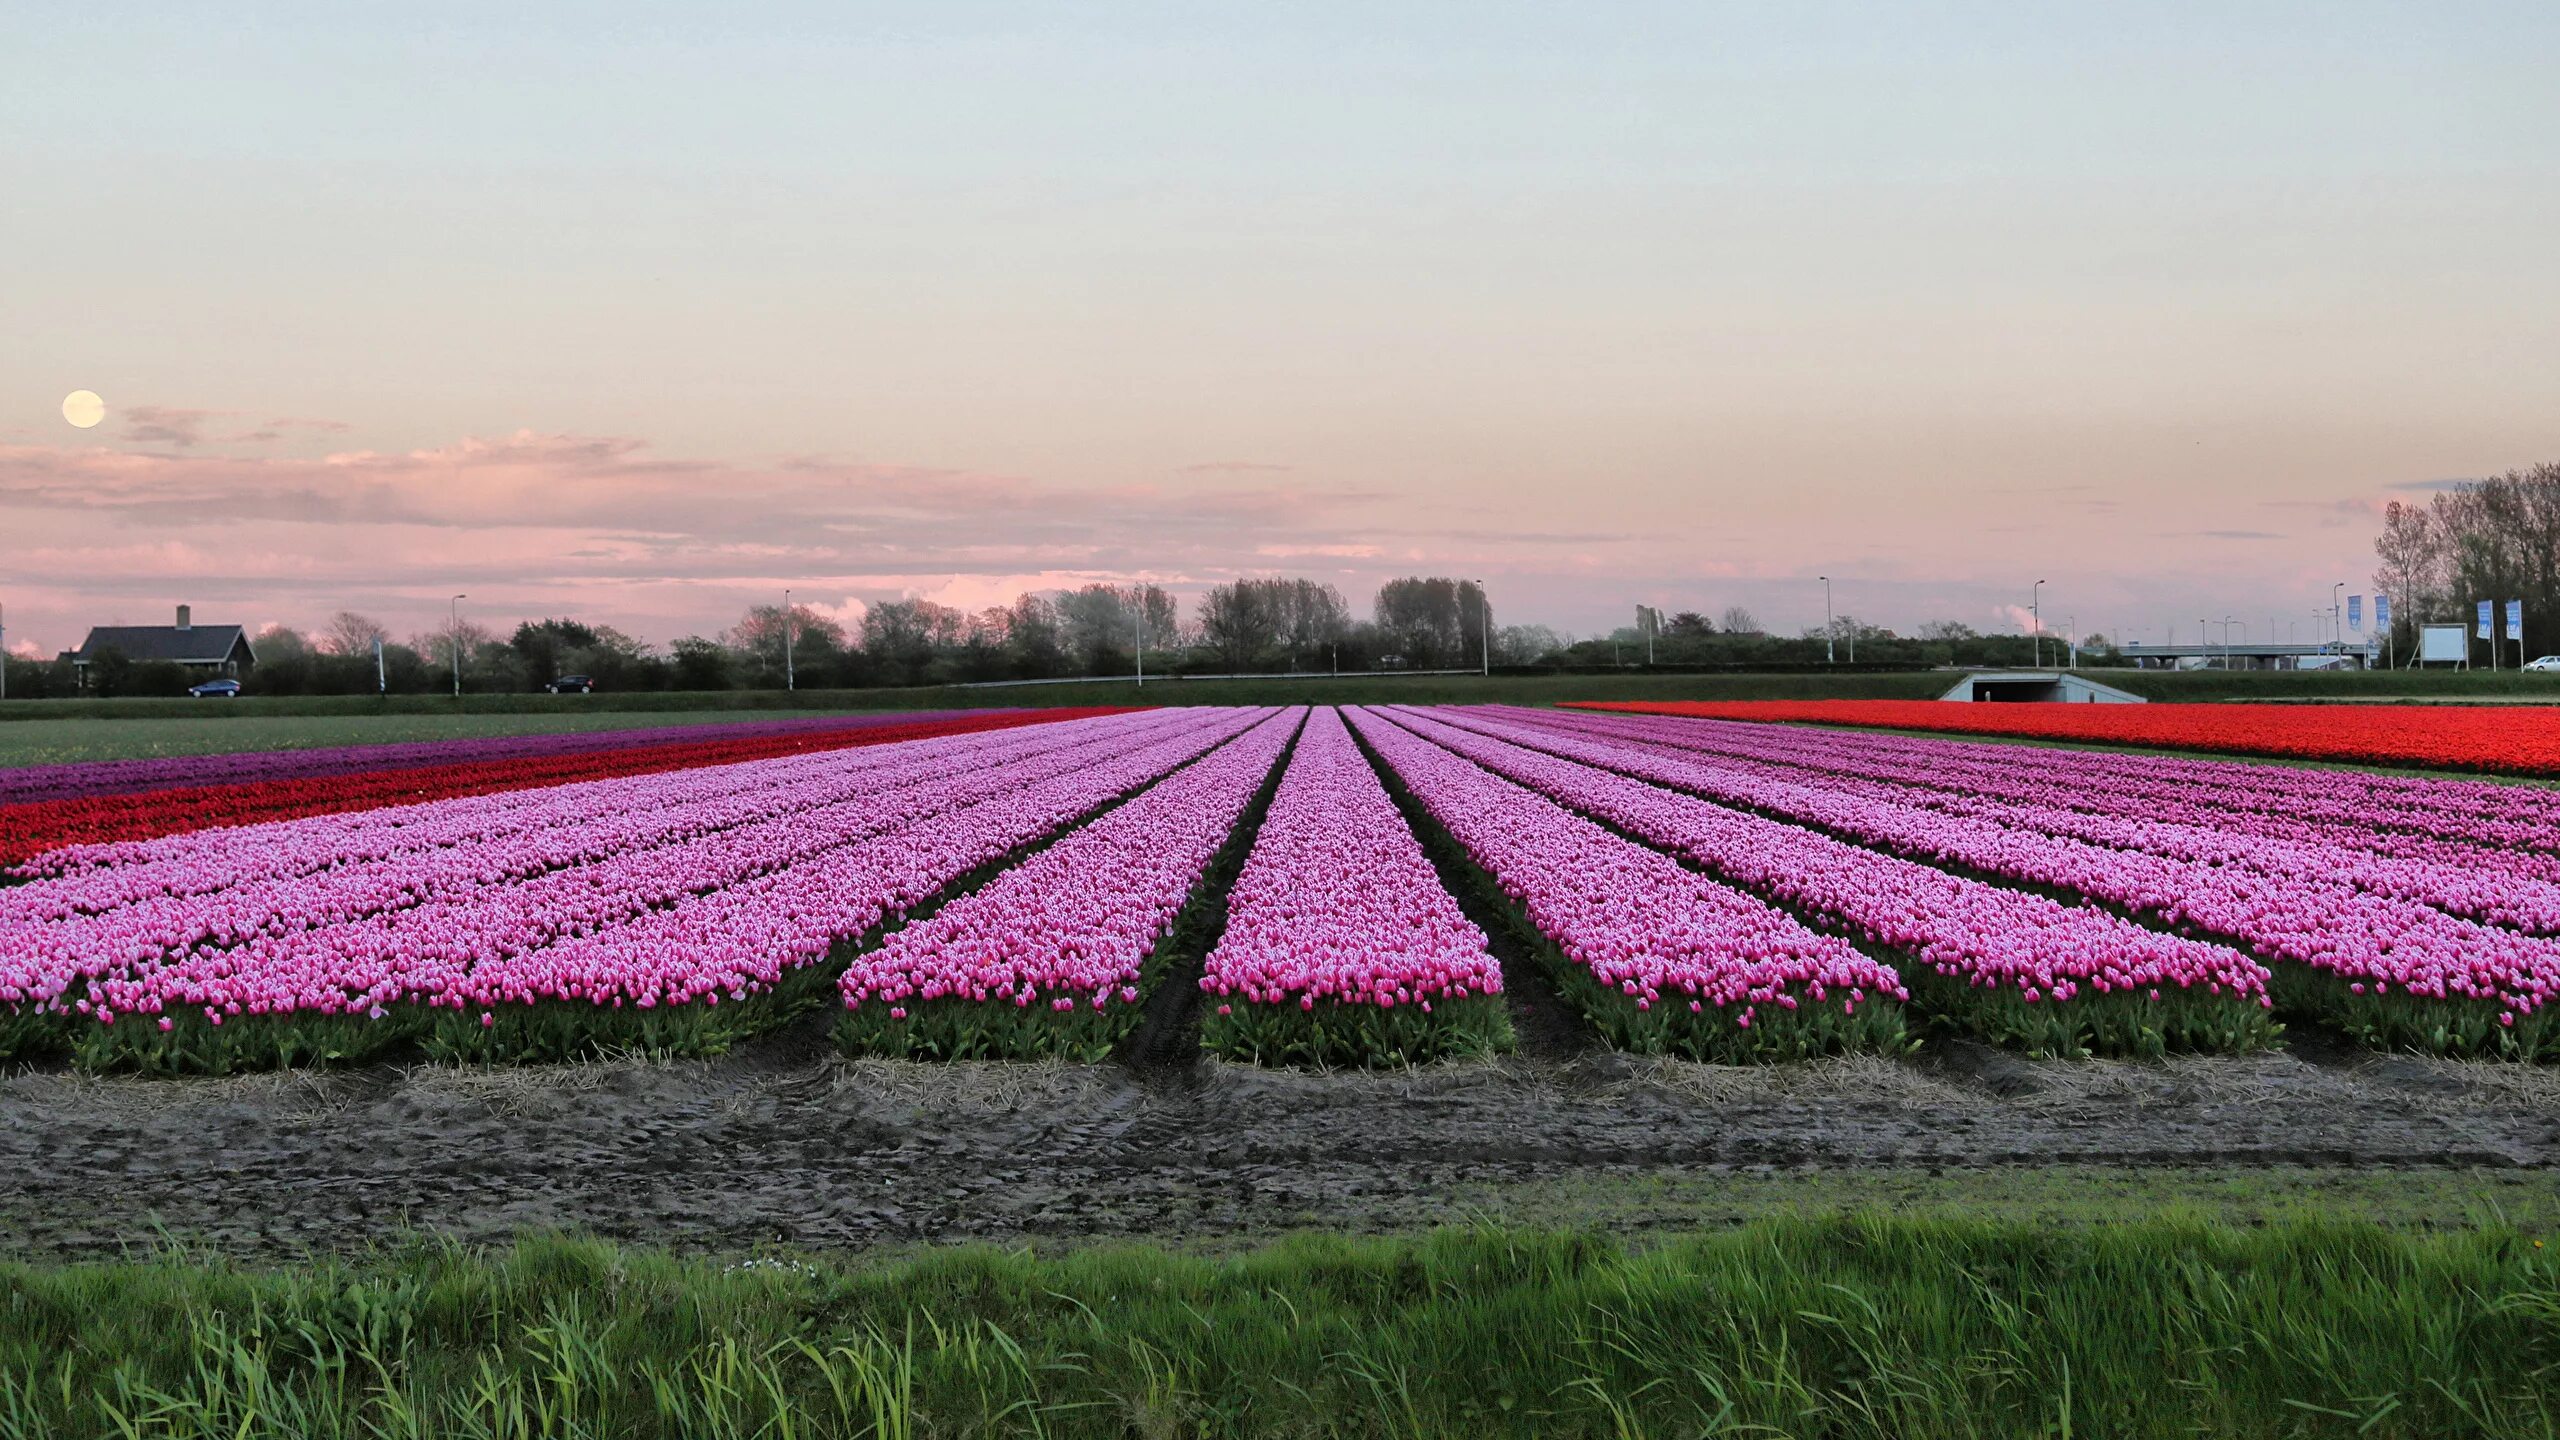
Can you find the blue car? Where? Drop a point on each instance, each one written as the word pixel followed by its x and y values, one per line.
pixel 226 689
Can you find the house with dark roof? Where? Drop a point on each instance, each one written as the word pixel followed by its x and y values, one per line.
pixel 211 649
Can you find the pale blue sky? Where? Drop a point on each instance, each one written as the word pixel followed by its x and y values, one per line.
pixel 1606 303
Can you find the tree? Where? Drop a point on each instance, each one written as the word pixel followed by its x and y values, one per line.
pixel 2413 570
pixel 1687 625
pixel 280 642
pixel 760 639
pixel 701 664
pixel 352 634
pixel 542 646
pixel 1524 644
pixel 1240 621
pixel 1738 621
pixel 1948 631
pixel 1434 622
pixel 2496 539
pixel 904 637
pixel 1035 639
pixel 437 646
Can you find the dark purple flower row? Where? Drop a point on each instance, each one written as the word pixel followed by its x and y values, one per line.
pixel 130 777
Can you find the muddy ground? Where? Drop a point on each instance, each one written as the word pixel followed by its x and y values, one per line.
pixel 786 1143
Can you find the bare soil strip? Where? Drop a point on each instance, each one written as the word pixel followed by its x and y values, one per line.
pixel 783 1142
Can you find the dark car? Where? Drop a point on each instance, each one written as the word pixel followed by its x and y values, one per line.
pixel 223 689
pixel 572 685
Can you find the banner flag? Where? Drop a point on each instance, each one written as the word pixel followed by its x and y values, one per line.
pixel 2382 612
pixel 2355 613
pixel 2488 624
pixel 2515 621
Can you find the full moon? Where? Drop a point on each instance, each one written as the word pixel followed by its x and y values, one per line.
pixel 83 408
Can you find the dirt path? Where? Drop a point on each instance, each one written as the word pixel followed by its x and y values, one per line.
pixel 785 1143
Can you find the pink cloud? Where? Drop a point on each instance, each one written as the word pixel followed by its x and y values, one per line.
pixel 605 529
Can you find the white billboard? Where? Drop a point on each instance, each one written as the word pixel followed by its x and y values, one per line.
pixel 2443 643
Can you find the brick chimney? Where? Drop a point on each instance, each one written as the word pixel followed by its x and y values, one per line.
pixel 186 617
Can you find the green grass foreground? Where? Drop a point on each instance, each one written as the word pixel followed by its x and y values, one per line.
pixel 1860 1326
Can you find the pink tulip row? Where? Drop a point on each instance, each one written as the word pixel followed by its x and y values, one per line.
pixel 291 880
pixel 92 879
pixel 1074 926
pixel 2506 829
pixel 740 939
pixel 1639 922
pixel 1980 935
pixel 2482 882
pixel 2367 940
pixel 1338 905
pixel 471 852
pixel 472 944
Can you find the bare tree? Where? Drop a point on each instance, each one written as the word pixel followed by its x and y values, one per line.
pixel 2496 539
pixel 1738 621
pixel 352 634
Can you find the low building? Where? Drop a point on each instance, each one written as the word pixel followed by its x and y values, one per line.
pixel 2038 686
pixel 209 650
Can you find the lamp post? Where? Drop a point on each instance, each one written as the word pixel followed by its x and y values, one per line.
pixel 2035 611
pixel 456 644
pixel 2071 629
pixel 2204 642
pixel 1141 629
pixel 790 679
pixel 1484 626
pixel 2337 626
pixel 1830 627
pixel 4 652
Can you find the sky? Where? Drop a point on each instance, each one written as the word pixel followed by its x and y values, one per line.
pixel 640 313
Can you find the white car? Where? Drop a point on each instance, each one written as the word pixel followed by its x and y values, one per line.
pixel 2547 662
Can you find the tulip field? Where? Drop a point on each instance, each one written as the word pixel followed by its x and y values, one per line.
pixel 2490 739
pixel 1272 885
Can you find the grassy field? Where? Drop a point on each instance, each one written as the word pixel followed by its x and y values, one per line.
pixel 46 732
pixel 51 741
pixel 1846 1326
pixel 54 731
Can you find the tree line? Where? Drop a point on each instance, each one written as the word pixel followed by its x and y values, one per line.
pixel 1248 625
pixel 2496 539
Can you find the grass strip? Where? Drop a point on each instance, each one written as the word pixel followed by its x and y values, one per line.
pixel 1856 1327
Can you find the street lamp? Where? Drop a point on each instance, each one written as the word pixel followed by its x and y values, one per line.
pixel 1830 627
pixel 790 680
pixel 1484 625
pixel 456 644
pixel 2337 626
pixel 2035 610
